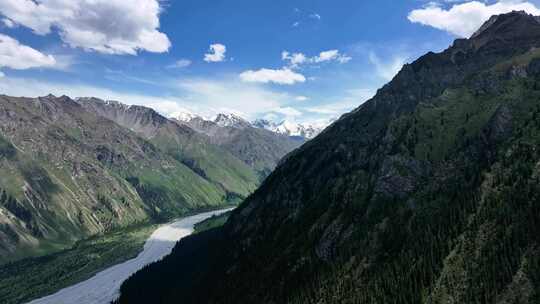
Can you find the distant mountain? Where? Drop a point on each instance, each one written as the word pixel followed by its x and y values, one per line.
pixel 288 128
pixel 75 168
pixel 231 120
pixel 427 193
pixel 181 142
pixel 302 130
pixel 185 116
pixel 258 148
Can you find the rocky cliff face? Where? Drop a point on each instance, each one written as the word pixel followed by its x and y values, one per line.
pixel 428 193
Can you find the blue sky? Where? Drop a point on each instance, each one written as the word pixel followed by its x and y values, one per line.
pixel 307 60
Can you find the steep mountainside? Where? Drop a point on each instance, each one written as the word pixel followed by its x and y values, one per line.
pixel 192 149
pixel 427 193
pixel 68 173
pixel 258 148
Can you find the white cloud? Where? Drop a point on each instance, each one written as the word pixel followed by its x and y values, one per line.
pixel 330 56
pixel 287 111
pixel 294 59
pixel 20 57
pixel 106 26
pixel 232 96
pixel 344 59
pixel 464 19
pixel 327 56
pixel 287 75
pixel 270 116
pixel 33 88
pixel 180 64
pixel 8 23
pixel 216 53
pixel 387 70
pixel 301 98
pixel 281 76
pixel 202 96
pixel 315 16
pixel 297 59
pixel 296 24
pixel 206 98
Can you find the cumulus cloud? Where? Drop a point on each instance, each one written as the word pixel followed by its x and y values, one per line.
pixel 301 98
pixel 180 64
pixel 294 59
pixel 106 26
pixel 464 19
pixel 280 76
pixel 21 57
pixel 216 53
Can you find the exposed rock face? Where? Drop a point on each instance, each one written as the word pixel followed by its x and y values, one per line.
pixel 427 193
pixel 140 119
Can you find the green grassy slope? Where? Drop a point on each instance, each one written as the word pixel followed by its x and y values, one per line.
pixel 69 173
pixel 213 222
pixel 194 150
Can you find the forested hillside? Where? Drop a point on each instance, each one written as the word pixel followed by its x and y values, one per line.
pixel 427 193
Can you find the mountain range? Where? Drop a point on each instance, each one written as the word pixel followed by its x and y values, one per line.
pixel 304 131
pixel 427 193
pixel 73 168
pixel 288 128
pixel 259 148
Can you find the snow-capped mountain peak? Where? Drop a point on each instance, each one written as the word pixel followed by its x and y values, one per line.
pixel 264 124
pixel 231 120
pixel 184 116
pixel 289 128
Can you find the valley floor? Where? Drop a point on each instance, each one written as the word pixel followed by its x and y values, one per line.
pixel 32 278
